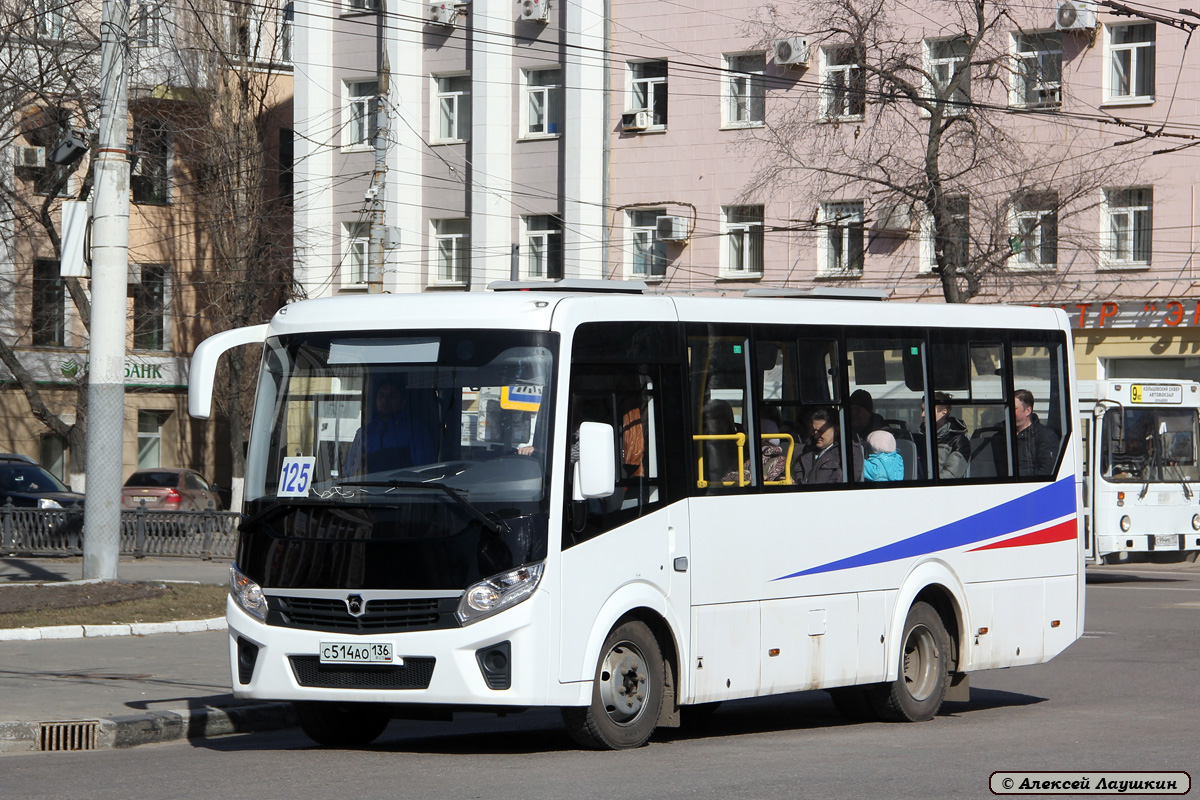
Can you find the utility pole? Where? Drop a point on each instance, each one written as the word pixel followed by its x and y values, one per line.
pixel 109 284
pixel 377 193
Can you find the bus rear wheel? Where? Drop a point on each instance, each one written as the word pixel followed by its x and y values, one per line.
pixel 342 724
pixel 925 664
pixel 627 693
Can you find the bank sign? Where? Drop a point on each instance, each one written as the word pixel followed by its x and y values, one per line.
pixel 1114 314
pixel 65 366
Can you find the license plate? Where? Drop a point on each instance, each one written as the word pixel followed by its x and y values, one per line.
pixel 358 653
pixel 1168 541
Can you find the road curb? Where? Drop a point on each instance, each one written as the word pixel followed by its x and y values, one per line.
pixel 132 730
pixel 104 631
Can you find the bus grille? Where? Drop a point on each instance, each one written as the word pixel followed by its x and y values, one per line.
pixel 382 615
pixel 415 674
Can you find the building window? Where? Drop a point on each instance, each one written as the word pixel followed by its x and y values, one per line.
pixel 150 178
pixel 945 60
pixel 287 32
pixel 49 294
pixel 843 83
pixel 842 239
pixel 287 164
pixel 52 455
pixel 146 28
pixel 452 239
pixel 245 29
pixel 1035 234
pixel 362 104
pixel 1131 65
pixel 543 102
pixel 149 308
pixel 364 5
pixel 648 251
pixel 149 439
pixel 358 246
pixel 51 21
pixel 954 241
pixel 454 108
pixel 648 90
pixel 1128 217
pixel 745 90
pixel 743 240
pixel 543 247
pixel 1037 70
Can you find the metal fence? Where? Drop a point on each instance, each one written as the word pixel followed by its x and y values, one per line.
pixel 197 534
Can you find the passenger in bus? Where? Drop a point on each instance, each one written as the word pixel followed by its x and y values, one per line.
pixel 863 419
pixel 392 438
pixel 821 460
pixel 953 448
pixel 882 463
pixel 1037 446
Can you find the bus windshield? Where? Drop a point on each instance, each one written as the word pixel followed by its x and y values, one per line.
pixel 435 417
pixel 1143 445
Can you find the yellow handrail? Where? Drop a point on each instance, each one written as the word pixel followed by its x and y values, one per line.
pixel 740 438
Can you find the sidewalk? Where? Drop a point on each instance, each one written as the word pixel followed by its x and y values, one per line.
pixel 124 690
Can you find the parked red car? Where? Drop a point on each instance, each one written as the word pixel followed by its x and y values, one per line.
pixel 167 489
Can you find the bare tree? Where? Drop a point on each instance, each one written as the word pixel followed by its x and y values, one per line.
pixel 922 122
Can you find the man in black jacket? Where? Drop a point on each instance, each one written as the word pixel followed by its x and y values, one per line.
pixel 1037 445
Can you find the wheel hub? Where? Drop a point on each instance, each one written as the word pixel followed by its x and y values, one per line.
pixel 623 683
pixel 921 659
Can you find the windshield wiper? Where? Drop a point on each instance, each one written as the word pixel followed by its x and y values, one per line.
pixel 495 525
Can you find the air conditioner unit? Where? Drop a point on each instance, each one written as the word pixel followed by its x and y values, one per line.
pixel 893 219
pixel 1073 15
pixel 636 120
pixel 791 52
pixel 673 229
pixel 443 14
pixel 25 156
pixel 535 10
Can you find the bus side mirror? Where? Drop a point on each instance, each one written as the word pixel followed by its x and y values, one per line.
pixel 595 471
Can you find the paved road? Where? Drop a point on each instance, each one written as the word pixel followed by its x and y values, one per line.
pixel 1123 697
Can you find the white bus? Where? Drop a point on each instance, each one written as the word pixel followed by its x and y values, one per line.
pixel 1140 495
pixel 588 496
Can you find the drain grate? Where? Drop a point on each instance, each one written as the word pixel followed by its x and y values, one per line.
pixel 71 735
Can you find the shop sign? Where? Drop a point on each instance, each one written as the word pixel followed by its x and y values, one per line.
pixel 47 366
pixel 1112 314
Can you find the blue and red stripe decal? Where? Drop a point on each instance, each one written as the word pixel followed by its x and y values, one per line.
pixel 1042 510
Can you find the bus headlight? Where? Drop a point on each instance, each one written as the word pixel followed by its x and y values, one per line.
pixel 1196 522
pixel 1126 524
pixel 247 594
pixel 499 592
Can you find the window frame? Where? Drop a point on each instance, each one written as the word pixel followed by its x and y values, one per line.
pixel 362 112
pixel 1112 51
pixel 959 206
pixel 451 95
pixel 553 98
pixel 48 317
pixel 147 26
pixel 830 216
pixel 150 308
pixel 546 241
pixel 1034 208
pixel 643 260
pixel 844 91
pixel 654 89
pixel 1025 81
pixel 49 19
pixel 958 104
pixel 158 182
pixel 1110 246
pixel 356 254
pixel 744 90
pixel 746 231
pixel 454 232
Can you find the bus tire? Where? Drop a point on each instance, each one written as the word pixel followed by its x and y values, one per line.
pixel 854 703
pixel 925 666
pixel 627 693
pixel 342 724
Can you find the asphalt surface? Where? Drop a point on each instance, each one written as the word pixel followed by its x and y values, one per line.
pixel 136 689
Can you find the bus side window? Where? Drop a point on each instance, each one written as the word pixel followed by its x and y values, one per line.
pixel 1038 368
pixel 969 376
pixel 723 422
pixel 887 392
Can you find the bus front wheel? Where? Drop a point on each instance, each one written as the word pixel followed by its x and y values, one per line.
pixel 342 724
pixel 925 665
pixel 627 693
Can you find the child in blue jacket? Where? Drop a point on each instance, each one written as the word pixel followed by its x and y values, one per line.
pixel 883 463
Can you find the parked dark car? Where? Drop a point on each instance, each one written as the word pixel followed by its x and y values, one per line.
pixel 28 485
pixel 169 489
